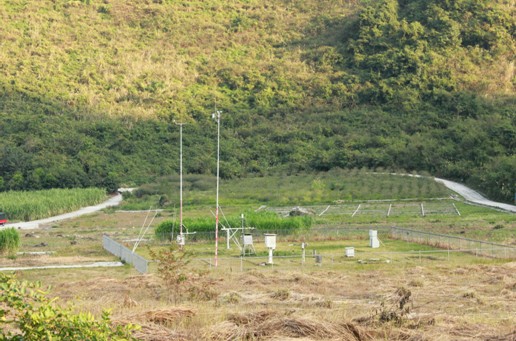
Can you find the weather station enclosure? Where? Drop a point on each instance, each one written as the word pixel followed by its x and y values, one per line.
pixel 373 239
pixel 181 240
pixel 248 246
pixel 270 243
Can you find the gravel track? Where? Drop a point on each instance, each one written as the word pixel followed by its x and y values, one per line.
pixel 472 196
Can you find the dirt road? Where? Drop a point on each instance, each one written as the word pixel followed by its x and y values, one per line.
pixel 467 193
pixel 475 197
pixel 113 201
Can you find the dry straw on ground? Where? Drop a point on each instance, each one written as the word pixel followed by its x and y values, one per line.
pixel 264 325
pixel 155 332
pixel 162 316
pixel 153 324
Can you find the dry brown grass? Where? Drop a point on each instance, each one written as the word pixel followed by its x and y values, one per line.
pixel 162 316
pixel 155 332
pixel 154 325
pixel 273 325
pixel 448 301
pixel 309 305
pixel 508 337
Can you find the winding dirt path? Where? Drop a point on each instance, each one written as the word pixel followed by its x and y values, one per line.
pixel 27 225
pixel 475 197
pixel 467 193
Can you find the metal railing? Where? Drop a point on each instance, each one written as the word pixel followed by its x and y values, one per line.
pixel 126 255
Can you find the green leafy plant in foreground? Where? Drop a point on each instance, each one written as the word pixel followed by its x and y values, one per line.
pixel 27 314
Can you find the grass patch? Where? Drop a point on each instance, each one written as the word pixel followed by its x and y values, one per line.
pixel 23 205
pixel 246 285
pixel 9 241
pixel 339 185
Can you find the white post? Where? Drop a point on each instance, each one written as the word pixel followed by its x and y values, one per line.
pixel 303 256
pixel 456 209
pixel 270 256
pixel 356 210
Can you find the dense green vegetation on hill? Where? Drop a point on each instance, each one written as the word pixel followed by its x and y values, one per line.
pixel 89 89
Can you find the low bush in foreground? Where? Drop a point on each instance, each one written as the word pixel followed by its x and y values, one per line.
pixel 27 314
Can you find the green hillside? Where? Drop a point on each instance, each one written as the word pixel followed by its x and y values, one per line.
pixel 89 89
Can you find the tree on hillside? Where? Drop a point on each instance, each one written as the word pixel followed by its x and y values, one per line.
pixel 400 47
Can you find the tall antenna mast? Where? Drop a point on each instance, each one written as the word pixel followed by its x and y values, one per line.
pixel 216 115
pixel 180 124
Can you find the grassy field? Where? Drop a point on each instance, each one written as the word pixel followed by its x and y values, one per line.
pixel 333 197
pixel 453 296
pixel 23 205
pixel 339 185
pixel 445 295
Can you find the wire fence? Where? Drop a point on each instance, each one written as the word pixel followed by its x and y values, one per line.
pixel 284 235
pixel 334 260
pixel 437 206
pixel 442 241
pixel 447 248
